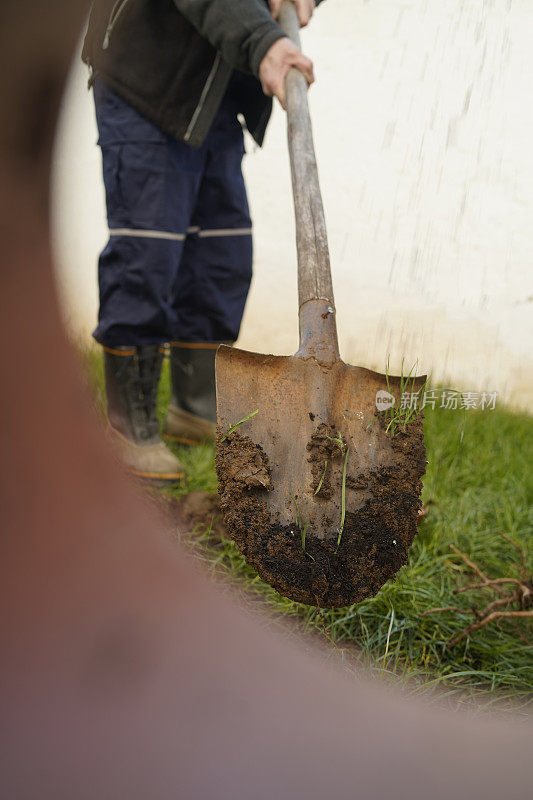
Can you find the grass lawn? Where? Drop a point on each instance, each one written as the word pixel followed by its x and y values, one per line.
pixel 479 482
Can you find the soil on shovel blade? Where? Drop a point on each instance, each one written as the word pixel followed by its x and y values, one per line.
pixel 375 540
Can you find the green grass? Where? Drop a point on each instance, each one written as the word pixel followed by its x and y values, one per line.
pixel 303 527
pixel 237 425
pixel 321 481
pixel 399 415
pixel 479 478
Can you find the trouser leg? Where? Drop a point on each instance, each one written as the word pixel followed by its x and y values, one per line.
pixel 213 280
pixel 215 271
pixel 151 185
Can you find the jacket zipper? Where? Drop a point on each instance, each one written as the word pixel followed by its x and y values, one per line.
pixel 116 11
pixel 203 97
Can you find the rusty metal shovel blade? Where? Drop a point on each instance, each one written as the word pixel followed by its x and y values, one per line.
pixel 319 491
pixel 317 446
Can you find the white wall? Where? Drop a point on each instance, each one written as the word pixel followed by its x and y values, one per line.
pixel 423 124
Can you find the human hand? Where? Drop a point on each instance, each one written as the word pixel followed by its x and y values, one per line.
pixel 276 65
pixel 304 9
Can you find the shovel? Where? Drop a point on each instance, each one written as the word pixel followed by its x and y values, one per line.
pixel 319 463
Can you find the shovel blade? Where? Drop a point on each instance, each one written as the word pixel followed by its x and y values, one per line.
pixel 320 499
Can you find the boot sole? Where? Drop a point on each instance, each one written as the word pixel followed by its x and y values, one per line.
pixel 168 437
pixel 159 477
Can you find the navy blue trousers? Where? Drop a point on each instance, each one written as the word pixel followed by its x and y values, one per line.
pixel 178 263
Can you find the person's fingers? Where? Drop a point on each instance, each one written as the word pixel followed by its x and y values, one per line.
pixel 305 65
pixel 275 6
pixel 277 63
pixel 267 89
pixel 280 94
pixel 276 88
pixel 302 9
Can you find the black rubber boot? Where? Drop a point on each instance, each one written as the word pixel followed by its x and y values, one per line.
pixel 132 379
pixel 192 413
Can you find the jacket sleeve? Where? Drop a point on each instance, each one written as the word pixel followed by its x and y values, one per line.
pixel 241 30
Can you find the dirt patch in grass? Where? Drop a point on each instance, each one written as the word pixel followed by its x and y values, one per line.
pixel 197 509
pixel 375 539
pixel 202 510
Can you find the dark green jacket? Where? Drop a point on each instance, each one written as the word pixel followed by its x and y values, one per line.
pixel 172 60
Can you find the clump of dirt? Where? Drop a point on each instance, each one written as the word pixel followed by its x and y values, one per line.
pixel 244 478
pixel 323 449
pixel 357 481
pixel 244 466
pixel 376 537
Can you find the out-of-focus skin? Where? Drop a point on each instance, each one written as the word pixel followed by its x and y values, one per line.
pixel 124 673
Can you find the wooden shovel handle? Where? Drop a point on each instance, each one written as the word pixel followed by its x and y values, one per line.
pixel 314 272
